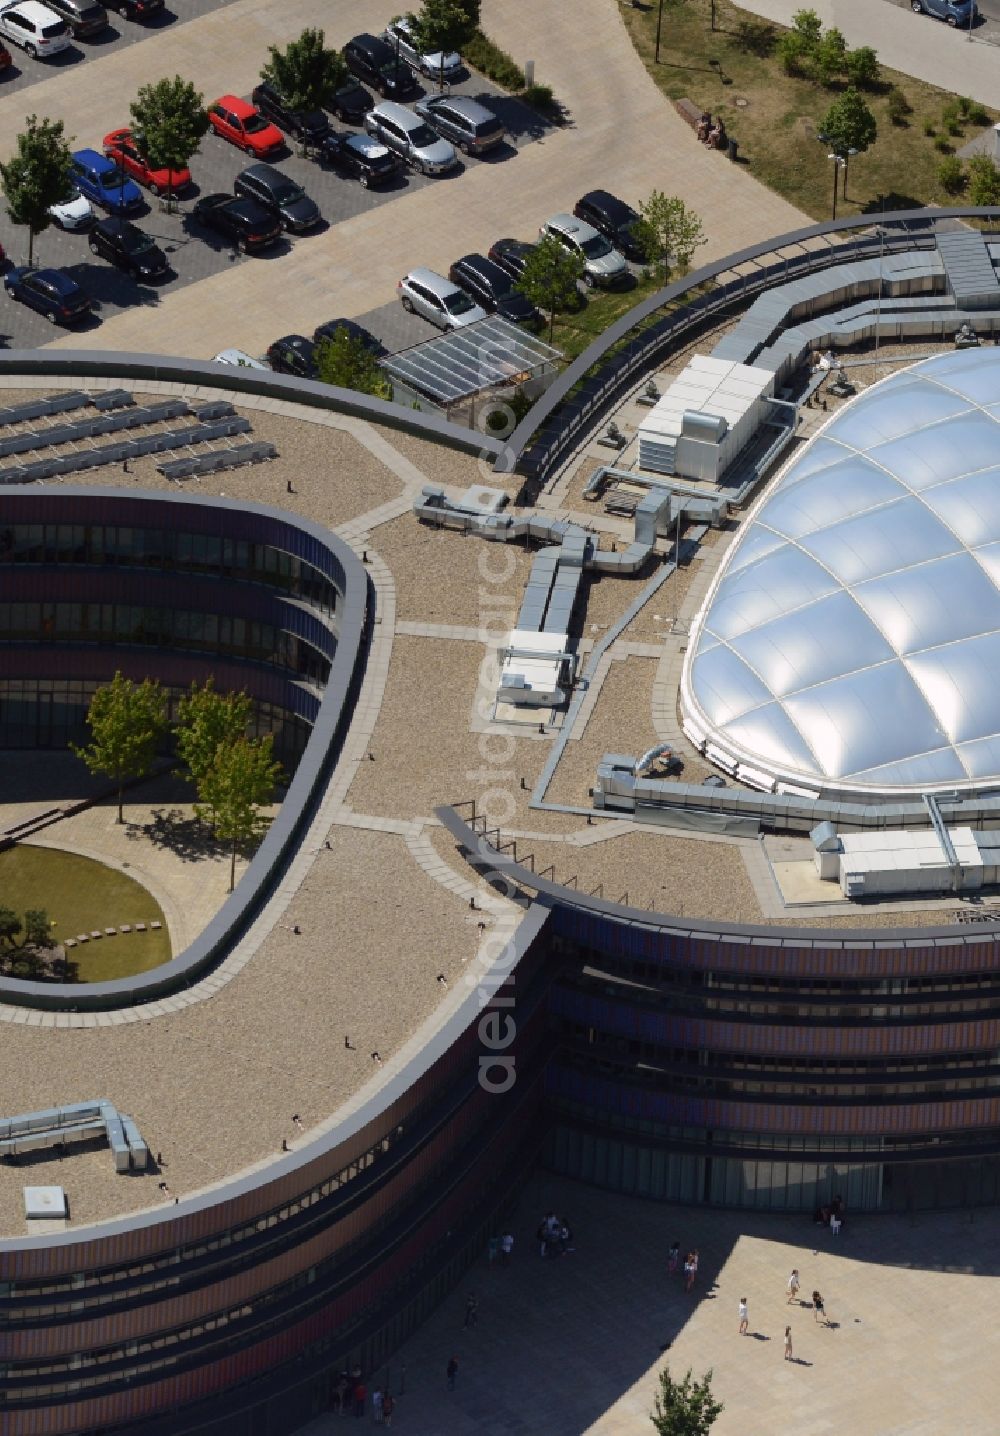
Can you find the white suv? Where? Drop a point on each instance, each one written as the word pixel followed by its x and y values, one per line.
pixel 39 31
pixel 399 34
pixel 437 299
pixel 410 137
pixel 603 264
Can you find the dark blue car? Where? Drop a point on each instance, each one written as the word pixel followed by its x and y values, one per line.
pixel 50 292
pixel 104 183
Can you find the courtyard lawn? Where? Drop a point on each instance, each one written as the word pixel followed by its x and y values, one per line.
pixel 81 895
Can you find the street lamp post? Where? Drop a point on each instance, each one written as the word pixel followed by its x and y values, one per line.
pixel 836 167
pixel 659 27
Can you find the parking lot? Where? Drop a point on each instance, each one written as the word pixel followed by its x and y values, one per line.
pixel 196 253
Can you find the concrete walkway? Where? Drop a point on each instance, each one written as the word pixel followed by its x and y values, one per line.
pixel 622 135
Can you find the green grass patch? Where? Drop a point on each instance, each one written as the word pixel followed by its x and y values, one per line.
pixel 81 895
pixel 778 115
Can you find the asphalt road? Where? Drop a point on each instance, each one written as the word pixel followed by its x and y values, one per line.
pixel 195 253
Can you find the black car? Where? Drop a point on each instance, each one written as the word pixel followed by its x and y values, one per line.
pixel 126 245
pixel 247 223
pixel 310 126
pixel 511 255
pixel 492 289
pixel 351 103
pixel 363 157
pixel 376 63
pixel 279 194
pixel 84 17
pixel 294 354
pixel 135 9
pixel 613 218
pixel 327 331
pixel 50 291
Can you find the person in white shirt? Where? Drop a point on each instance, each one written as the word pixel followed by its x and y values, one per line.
pixel 744 1316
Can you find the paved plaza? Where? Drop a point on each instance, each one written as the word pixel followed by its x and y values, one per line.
pixel 573 1345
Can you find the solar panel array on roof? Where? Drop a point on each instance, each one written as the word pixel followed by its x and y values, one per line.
pixel 480 356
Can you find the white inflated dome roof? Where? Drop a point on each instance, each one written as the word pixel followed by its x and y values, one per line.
pixel 851 640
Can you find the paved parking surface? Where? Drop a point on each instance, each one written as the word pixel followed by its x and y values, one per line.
pixel 196 253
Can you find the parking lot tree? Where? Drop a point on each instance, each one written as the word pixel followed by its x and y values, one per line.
pixel 551 278
pixel 206 719
pixel 38 175
pixel 848 127
pixel 127 722
pixel 668 231
pixel 305 73
pixel 686 1407
pixel 169 121
pixel 347 361
pixel 444 25
pixel 238 785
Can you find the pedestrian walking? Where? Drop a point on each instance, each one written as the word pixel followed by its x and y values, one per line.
pixel 360 1397
pixel 688 1273
pixel 744 1316
pixel 388 1406
pixel 506 1247
pixel 377 1403
pixel 819 1310
pixel 792 1286
pixel 471 1307
pixel 492 1249
pixel 788 1343
pixel 452 1372
pixel 673 1258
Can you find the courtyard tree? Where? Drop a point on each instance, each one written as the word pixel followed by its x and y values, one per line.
pixel 305 73
pixel 232 794
pixel 346 360
pixel 10 926
pixel 444 25
pixel 169 121
pixel 37 176
pixel 668 231
pixel 550 279
pixel 206 719
pixel 686 1407
pixel 848 127
pixel 127 723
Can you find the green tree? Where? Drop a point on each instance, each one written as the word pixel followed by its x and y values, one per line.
pixel 848 125
pixel 206 719
pixel 984 181
pixel 37 932
pixel 829 57
pixel 550 279
pixel 669 231
pixel 951 175
pixel 684 1408
pixel 10 926
pixel 238 785
pixel 440 26
pixel 38 176
pixel 347 361
pixel 807 24
pixel 863 69
pixel 169 121
pixel 305 73
pixel 794 52
pixel 127 722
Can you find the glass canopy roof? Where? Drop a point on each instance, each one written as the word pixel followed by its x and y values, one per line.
pixel 851 640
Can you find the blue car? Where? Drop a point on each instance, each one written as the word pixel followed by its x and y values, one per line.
pixel 50 292
pixel 955 12
pixel 104 183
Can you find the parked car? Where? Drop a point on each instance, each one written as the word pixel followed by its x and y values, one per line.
pixel 135 9
pixel 294 354
pixel 410 137
pixel 280 194
pixel 511 255
pixel 351 103
pixel 103 183
pixel 50 292
pixel 128 247
pixel 39 31
pixel 492 289
pixel 373 61
pixel 361 156
pixel 470 126
pixel 438 299
pixel 120 147
pixel 955 12
pixel 84 17
pixel 613 218
pixel 309 126
pixel 356 331
pixel 248 224
pixel 239 359
pixel 603 264
pixel 75 212
pixel 244 126
pixel 400 37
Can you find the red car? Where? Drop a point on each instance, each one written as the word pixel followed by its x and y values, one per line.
pixel 120 147
pixel 243 125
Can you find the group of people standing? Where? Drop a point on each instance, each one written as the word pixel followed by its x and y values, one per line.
pixel 554 1235
pixel 350 1395
pixel 690 1264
